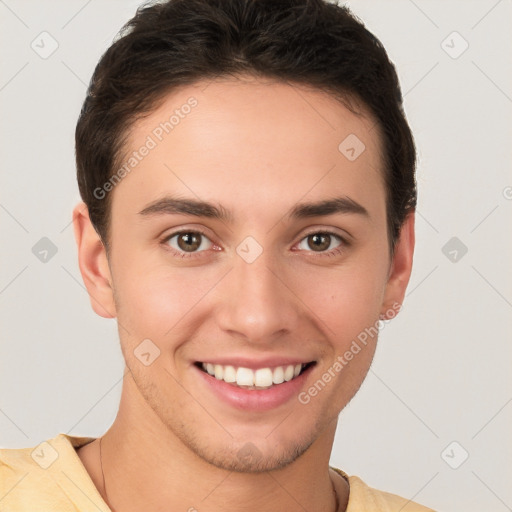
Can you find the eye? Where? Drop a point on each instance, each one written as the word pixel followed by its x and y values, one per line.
pixel 186 243
pixel 322 242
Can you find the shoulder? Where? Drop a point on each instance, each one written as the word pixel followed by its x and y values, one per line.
pixel 363 498
pixel 23 479
pixel 35 478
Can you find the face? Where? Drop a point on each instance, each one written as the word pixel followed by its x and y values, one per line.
pixel 250 238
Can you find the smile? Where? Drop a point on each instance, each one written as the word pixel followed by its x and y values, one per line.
pixel 260 378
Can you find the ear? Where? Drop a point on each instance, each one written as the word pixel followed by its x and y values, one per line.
pixel 400 270
pixel 93 263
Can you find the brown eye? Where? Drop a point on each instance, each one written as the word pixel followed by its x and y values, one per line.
pixel 188 242
pixel 319 242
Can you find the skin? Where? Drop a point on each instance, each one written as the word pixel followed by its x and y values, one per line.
pixel 257 148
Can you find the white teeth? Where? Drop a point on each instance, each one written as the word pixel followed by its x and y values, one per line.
pixel 288 373
pixel 263 377
pixel 246 377
pixel 278 375
pixel 219 371
pixel 229 374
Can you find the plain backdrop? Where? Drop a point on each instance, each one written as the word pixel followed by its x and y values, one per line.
pixel 432 421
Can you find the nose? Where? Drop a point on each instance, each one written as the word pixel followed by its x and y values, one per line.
pixel 258 304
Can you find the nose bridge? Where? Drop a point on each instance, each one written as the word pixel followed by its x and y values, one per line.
pixel 257 303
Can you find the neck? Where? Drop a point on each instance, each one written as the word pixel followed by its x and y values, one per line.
pixel 144 463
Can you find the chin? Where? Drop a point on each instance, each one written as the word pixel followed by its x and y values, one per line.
pixel 248 458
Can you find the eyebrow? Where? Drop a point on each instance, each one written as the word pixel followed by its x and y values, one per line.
pixel 175 205
pixel 344 205
pixel 172 205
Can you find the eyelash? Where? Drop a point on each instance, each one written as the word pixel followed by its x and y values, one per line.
pixel 333 252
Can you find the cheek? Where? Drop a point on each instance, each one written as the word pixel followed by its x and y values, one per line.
pixel 153 298
pixel 346 300
pixel 347 306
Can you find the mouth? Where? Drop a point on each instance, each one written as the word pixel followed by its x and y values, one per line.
pixel 254 379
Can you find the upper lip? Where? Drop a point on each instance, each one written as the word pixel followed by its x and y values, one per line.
pixel 245 362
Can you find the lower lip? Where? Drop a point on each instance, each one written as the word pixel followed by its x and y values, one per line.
pixel 255 399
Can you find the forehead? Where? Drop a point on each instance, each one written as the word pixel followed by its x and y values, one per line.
pixel 237 140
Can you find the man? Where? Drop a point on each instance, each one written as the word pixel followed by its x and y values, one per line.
pixel 248 182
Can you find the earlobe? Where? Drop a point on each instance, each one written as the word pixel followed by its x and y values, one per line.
pixel 400 270
pixel 93 263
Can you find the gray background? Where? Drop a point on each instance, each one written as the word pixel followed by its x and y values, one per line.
pixel 442 369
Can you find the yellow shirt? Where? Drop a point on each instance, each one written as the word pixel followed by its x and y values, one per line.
pixel 51 478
